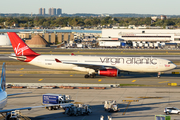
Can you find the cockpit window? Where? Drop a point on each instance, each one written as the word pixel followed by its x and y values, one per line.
pixel 170 62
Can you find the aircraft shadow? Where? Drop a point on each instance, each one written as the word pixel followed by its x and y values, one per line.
pixel 23 96
pixel 146 75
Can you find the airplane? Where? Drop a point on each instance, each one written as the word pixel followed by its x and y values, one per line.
pixel 4 98
pixel 110 66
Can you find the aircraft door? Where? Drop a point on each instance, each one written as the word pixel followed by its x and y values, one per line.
pixel 160 64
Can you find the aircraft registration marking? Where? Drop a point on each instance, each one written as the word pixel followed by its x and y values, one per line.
pixel 40 79
pixel 134 81
pixel 163 82
pixel 21 68
pixel 99 80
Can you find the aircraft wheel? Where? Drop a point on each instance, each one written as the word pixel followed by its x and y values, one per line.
pixel 86 76
pixel 92 75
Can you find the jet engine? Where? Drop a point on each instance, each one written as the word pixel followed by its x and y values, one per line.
pixel 108 72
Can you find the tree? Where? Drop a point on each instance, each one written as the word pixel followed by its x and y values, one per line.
pixel 88 22
pixel 159 22
pixel 169 22
pixel 95 21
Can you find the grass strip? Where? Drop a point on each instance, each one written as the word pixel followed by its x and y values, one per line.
pixel 132 85
pixel 141 85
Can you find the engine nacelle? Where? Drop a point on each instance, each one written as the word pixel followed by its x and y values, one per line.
pixel 108 72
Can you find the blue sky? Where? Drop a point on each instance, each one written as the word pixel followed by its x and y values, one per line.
pixel 166 7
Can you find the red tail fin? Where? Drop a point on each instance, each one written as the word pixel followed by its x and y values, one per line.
pixel 20 48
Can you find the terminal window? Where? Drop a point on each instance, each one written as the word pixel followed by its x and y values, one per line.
pixel 177 39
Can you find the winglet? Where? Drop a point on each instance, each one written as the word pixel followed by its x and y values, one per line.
pixel 3 78
pixel 58 60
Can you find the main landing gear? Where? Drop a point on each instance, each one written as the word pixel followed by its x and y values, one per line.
pixel 159 74
pixel 89 76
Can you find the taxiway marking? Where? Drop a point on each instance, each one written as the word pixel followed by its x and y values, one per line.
pixel 163 82
pixel 134 81
pixel 21 68
pixel 40 79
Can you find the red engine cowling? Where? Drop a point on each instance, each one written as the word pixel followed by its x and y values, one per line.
pixel 108 72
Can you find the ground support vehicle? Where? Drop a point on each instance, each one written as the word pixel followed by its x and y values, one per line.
pixel 13 115
pixel 56 99
pixel 171 110
pixel 80 109
pixel 109 44
pixel 111 106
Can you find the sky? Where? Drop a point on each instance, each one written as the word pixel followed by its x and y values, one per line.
pixel 159 7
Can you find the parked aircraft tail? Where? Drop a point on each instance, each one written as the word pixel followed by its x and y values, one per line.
pixel 3 78
pixel 19 46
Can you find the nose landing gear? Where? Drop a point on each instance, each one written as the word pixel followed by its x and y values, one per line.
pixel 159 74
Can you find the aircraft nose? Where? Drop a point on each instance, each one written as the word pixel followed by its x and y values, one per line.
pixel 174 65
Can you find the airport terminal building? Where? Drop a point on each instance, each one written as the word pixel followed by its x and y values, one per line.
pixel 140 38
pixel 143 35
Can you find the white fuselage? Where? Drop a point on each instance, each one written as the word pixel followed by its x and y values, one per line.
pixel 131 64
pixel 3 99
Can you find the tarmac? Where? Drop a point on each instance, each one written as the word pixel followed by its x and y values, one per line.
pixel 134 103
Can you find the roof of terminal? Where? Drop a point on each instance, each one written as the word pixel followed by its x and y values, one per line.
pixel 49 30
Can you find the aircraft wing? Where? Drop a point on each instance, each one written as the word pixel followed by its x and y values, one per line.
pixel 32 107
pixel 18 93
pixel 92 66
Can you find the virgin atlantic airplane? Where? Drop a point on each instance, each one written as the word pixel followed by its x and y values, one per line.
pixel 93 65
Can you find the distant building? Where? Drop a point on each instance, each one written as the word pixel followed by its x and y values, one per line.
pixel 53 11
pixel 163 17
pixel 43 11
pixel 50 37
pixel 37 41
pixel 49 11
pixel 4 40
pixel 59 11
pixel 40 11
pixel 154 18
